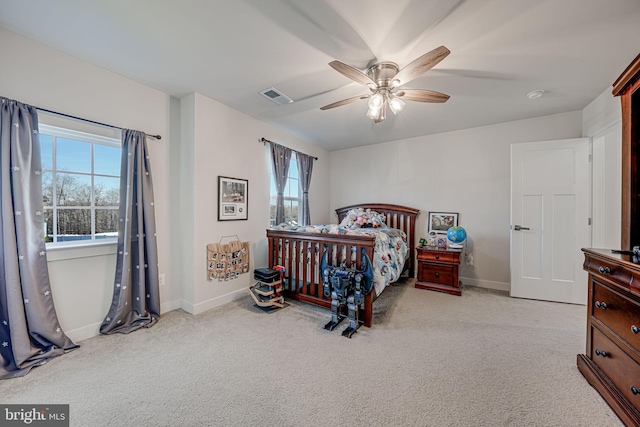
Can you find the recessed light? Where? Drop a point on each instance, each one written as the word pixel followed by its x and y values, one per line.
pixel 534 94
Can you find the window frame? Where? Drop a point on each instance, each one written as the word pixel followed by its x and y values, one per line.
pixel 92 139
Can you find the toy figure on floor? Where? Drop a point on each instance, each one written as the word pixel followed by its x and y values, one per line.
pixel 347 288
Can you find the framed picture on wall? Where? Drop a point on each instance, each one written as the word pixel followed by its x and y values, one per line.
pixel 440 222
pixel 232 199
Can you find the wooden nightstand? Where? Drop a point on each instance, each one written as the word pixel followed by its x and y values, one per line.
pixel 438 269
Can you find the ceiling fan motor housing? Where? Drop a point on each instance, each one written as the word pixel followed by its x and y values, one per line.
pixel 383 73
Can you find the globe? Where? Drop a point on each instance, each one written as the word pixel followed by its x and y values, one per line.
pixel 456 235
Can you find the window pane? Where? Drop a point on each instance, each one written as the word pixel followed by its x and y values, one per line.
pixel 74 224
pixel 272 212
pixel 293 188
pixel 106 223
pixel 48 225
pixel 73 189
pixel 47 188
pixel 73 155
pixel 46 150
pixel 106 160
pixel 106 191
pixel 293 168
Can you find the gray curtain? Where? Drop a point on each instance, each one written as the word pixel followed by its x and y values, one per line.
pixel 305 168
pixel 280 157
pixel 30 333
pixel 136 292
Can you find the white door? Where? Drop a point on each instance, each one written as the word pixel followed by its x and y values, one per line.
pixel 550 219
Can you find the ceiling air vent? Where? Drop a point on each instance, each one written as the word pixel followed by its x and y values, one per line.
pixel 273 95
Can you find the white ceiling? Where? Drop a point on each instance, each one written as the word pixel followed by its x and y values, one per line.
pixel 230 50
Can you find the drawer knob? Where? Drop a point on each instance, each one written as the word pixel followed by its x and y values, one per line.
pixel 634 329
pixel 604 270
pixel 437 274
pixel 600 353
pixel 602 305
pixel 634 390
pixel 437 256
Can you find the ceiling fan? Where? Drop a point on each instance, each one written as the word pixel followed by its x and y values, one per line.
pixel 384 79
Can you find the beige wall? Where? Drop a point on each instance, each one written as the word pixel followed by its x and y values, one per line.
pixel 218 141
pixel 466 171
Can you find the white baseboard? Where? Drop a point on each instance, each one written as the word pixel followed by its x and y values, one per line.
pixel 84 332
pixel 169 306
pixel 203 306
pixel 488 284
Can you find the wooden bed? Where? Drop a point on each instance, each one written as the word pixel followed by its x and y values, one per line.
pixel 303 280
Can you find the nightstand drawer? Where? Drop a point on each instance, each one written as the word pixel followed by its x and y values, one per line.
pixel 434 273
pixel 619 313
pixel 621 369
pixel 435 256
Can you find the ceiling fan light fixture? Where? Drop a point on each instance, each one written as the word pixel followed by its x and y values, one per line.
pixel 396 104
pixel 376 100
pixel 378 114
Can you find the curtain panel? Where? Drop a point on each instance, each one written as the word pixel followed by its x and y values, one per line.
pixel 281 158
pixel 305 168
pixel 136 292
pixel 30 333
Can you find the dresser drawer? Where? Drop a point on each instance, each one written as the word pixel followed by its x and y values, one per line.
pixel 436 273
pixel 616 273
pixel 620 313
pixel 621 369
pixel 436 256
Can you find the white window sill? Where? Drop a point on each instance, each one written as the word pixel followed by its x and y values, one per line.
pixel 79 250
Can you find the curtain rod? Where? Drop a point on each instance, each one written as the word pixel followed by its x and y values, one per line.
pixel 90 121
pixel 264 141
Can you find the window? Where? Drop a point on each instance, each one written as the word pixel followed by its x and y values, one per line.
pixel 291 195
pixel 80 186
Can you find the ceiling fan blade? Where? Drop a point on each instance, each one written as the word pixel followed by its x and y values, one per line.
pixel 422 95
pixel 421 65
pixel 344 102
pixel 352 73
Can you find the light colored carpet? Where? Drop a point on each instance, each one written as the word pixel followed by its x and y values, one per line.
pixel 430 359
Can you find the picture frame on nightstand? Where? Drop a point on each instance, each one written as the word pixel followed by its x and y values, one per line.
pixel 440 222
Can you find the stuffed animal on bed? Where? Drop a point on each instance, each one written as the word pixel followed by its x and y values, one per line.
pixel 360 218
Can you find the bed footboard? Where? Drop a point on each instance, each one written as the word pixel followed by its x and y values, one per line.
pixel 300 254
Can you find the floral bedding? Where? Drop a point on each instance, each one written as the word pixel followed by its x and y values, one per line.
pixel 390 250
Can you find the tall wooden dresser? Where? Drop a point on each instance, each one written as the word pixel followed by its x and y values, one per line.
pixel 612 360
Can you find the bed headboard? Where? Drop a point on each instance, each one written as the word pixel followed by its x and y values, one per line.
pixel 401 217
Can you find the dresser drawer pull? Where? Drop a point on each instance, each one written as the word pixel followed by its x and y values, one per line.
pixel 437 274
pixel 634 329
pixel 600 353
pixel 604 270
pixel 437 256
pixel 634 390
pixel 602 305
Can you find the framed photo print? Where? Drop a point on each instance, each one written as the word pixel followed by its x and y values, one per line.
pixel 232 198
pixel 440 222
